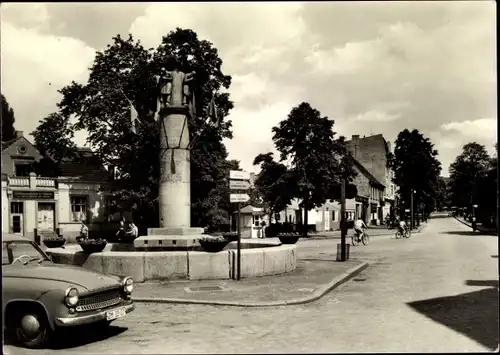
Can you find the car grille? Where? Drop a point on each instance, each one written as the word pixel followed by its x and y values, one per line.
pixel 99 300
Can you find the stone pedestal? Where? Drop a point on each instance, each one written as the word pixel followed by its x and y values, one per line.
pixel 169 238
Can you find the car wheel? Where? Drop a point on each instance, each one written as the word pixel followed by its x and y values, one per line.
pixel 32 329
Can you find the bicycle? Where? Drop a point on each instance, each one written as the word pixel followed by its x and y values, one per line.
pixel 355 239
pixel 405 234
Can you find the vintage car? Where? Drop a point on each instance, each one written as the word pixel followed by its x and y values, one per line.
pixel 40 296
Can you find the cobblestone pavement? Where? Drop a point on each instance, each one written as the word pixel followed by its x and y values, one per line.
pixel 434 292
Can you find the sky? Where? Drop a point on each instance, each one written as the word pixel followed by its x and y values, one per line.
pixel 373 67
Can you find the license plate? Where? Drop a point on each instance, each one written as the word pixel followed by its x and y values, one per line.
pixel 117 313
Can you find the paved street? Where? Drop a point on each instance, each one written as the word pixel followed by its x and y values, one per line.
pixel 434 292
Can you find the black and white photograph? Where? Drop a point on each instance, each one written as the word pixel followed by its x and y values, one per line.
pixel 249 177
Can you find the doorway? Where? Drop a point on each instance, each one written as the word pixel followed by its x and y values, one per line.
pixel 46 216
pixel 17 218
pixel 326 216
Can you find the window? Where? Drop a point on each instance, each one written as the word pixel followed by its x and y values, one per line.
pixel 23 169
pixel 16 207
pixel 79 208
pixel 333 216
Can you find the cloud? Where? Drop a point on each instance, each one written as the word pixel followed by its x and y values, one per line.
pixel 257 42
pixel 35 66
pixel 454 135
pixel 376 116
pixel 26 15
pixel 373 67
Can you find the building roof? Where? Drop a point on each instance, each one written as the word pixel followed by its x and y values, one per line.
pixel 88 167
pixel 365 172
pixel 7 144
pixel 251 209
pixel 370 140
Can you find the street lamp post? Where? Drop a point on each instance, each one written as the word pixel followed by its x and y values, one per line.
pixel 412 220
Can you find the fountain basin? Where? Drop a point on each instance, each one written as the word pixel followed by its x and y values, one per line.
pixel 258 258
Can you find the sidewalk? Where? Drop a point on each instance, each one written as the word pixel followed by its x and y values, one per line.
pixel 308 282
pixel 479 227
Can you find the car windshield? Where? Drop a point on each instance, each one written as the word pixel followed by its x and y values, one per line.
pixel 24 251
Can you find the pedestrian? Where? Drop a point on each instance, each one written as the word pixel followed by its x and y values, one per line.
pixel 135 230
pixel 84 231
pixel 121 230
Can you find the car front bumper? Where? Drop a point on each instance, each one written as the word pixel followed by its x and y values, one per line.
pixel 93 317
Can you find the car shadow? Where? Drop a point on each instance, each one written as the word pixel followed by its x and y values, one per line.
pixel 79 336
pixel 474 314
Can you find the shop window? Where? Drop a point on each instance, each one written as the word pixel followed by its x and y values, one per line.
pixel 79 208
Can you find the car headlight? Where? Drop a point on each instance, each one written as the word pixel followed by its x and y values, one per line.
pixel 128 285
pixel 71 297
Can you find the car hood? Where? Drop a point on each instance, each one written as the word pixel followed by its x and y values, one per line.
pixel 84 280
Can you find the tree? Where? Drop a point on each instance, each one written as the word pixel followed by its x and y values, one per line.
pixel 417 168
pixel 317 161
pixel 470 179
pixel 125 71
pixel 273 183
pixel 8 119
pixel 441 198
pixel 54 138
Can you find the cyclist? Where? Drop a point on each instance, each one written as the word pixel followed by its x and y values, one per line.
pixel 359 227
pixel 402 227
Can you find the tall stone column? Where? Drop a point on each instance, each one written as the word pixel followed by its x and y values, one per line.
pixel 175 170
pixel 175 105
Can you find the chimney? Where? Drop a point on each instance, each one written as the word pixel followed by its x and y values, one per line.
pixel 355 136
pixel 19 134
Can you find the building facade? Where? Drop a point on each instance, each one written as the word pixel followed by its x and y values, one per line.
pixel 367 205
pixel 38 203
pixel 372 153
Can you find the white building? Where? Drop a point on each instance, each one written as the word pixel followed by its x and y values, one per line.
pixel 31 202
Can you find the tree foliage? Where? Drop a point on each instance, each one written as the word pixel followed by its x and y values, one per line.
pixel 415 167
pixel 8 119
pixel 273 183
pixel 468 175
pixel 126 70
pixel 312 161
pixel 441 197
pixel 54 138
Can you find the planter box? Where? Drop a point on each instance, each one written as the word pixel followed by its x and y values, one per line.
pixel 54 243
pixel 93 248
pixel 286 238
pixel 212 246
pixel 231 236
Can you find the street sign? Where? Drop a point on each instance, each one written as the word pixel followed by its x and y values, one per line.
pixel 407 210
pixel 239 185
pixel 239 175
pixel 237 198
pixel 475 206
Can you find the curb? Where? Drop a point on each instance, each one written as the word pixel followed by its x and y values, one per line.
pixel 336 282
pixel 463 222
pixel 470 226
